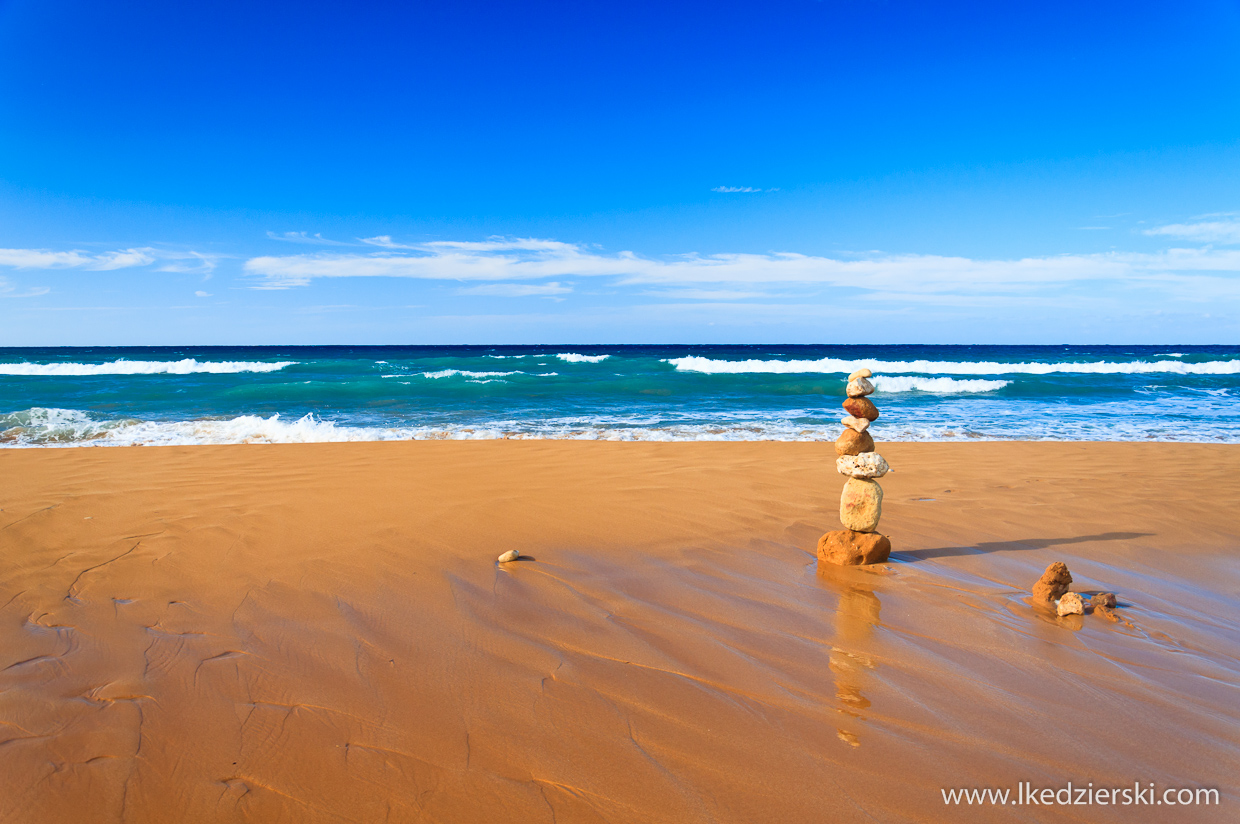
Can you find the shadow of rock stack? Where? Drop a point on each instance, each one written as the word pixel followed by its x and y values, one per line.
pixel 861 503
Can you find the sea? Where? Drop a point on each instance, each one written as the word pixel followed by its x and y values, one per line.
pixel 77 397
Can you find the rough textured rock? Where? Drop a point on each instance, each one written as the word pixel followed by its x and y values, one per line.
pixel 861 505
pixel 861 408
pixel 855 424
pixel 861 373
pixel 859 388
pixel 1070 604
pixel 1053 583
pixel 848 548
pixel 509 556
pixel 867 466
pixel 852 442
pixel 1101 599
pixel 1107 613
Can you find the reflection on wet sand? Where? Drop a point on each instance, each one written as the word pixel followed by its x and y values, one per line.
pixel 856 615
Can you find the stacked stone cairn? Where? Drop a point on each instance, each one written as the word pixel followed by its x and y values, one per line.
pixel 861 503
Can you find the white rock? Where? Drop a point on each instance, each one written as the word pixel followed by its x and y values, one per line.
pixel 855 424
pixel 866 466
pixel 859 388
pixel 509 556
pixel 1070 604
pixel 861 373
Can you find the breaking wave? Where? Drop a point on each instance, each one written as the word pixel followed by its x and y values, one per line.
pixel 938 386
pixel 711 366
pixel 573 357
pixel 187 366
pixel 447 373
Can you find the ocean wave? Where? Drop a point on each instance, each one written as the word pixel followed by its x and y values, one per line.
pixel 573 357
pixel 938 386
pixel 128 367
pixel 694 363
pixel 41 427
pixel 447 373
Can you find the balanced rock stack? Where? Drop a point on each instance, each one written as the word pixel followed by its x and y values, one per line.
pixel 861 503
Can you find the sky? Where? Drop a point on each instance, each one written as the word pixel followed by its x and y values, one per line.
pixel 789 171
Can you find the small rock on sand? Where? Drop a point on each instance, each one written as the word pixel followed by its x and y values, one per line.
pixel 1107 613
pixel 1053 583
pixel 848 548
pixel 861 408
pixel 509 556
pixel 861 373
pixel 852 442
pixel 1070 604
pixel 1102 599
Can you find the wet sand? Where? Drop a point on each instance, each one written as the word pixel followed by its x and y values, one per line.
pixel 320 633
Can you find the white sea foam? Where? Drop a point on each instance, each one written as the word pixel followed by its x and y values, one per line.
pixel 73 428
pixel 695 363
pixel 938 386
pixel 573 357
pixel 447 373
pixel 130 367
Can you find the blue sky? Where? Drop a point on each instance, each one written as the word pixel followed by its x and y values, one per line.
pixel 640 172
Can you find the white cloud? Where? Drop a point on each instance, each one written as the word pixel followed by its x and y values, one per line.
pixel 76 259
pixel 305 237
pixel 527 259
pixel 516 290
pixel 1225 229
pixel 731 189
pixel 385 241
pixel 201 294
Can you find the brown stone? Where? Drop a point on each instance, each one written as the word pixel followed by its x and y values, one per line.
pixel 1053 583
pixel 861 373
pixel 1102 599
pixel 854 443
pixel 861 505
pixel 848 548
pixel 861 408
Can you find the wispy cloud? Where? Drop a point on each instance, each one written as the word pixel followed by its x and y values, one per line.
pixel 8 290
pixel 727 276
pixel 315 239
pixel 201 294
pixel 169 260
pixel 516 290
pixel 76 259
pixel 385 241
pixel 736 189
pixel 1224 228
pixel 188 262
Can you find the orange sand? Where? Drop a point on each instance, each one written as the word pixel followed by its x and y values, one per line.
pixel 320 633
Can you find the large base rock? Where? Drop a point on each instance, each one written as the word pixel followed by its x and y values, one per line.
pixel 847 548
pixel 1053 583
pixel 861 505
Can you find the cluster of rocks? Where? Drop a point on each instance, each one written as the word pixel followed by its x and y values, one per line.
pixel 861 503
pixel 1052 587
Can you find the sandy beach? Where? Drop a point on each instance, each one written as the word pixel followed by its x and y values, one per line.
pixel 320 632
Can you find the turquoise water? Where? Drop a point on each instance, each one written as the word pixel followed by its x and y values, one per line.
pixel 86 396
